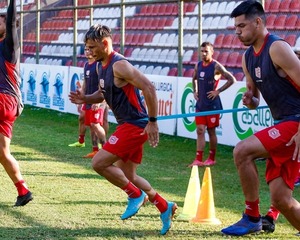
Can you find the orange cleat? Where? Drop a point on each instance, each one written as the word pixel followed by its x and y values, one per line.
pixel 90 155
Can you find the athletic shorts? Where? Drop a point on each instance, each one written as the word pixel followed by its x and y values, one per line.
pixel 127 143
pixel 280 163
pixel 8 111
pixel 93 116
pixel 211 121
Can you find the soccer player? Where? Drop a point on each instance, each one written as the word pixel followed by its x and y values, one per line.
pixel 119 158
pixel 205 82
pixel 272 69
pixel 10 97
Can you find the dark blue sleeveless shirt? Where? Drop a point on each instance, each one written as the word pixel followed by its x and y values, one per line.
pixel 125 102
pixel 281 95
pixel 91 79
pixel 206 82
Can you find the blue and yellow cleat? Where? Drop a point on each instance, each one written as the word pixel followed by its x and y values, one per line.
pixel 167 216
pixel 134 204
pixel 77 144
pixel 243 227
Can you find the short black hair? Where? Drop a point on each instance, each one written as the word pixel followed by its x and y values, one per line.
pixel 251 8
pixel 207 44
pixel 97 32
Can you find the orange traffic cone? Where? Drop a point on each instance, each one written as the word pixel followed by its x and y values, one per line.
pixel 206 208
pixel 192 197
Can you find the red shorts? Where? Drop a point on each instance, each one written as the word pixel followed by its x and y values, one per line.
pixel 280 163
pixel 127 143
pixel 8 111
pixel 211 121
pixel 93 116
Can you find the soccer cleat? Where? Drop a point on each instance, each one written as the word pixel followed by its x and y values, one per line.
pixel 167 216
pixel 90 155
pixel 77 144
pixel 243 227
pixel 297 234
pixel 268 224
pixel 23 200
pixel 209 162
pixel 134 205
pixel 197 163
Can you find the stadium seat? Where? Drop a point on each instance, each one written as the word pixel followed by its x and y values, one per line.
pixel 239 61
pixel 270 21
pixel 162 39
pixel 267 5
pixel 156 55
pixel 291 39
pixel 134 54
pixel 285 6
pixel 164 71
pixel 154 23
pixel 149 69
pixel 187 56
pixel 290 22
pixel 173 72
pixel 219 40
pixel 172 56
pixel 206 7
pixel 148 39
pixel 141 54
pixel 295 6
pixel 211 38
pixel 157 70
pixel 297 44
pixel 163 55
pixel 206 24
pixel 232 59
pixel 216 55
pixel 194 58
pixel 229 7
pixel 223 58
pixel 213 8
pixel 227 40
pixel 279 22
pixel 129 39
pixel 148 54
pixel 223 23
pixel 155 40
pixel 236 43
pixel 186 38
pixel 189 72
pixel 193 41
pixel 128 52
pixel 297 25
pixel 191 24
pixel 142 68
pixel 170 40
pixel 274 6
pixel 215 23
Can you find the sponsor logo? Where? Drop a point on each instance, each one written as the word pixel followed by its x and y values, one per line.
pixel 31 95
pixel 58 100
pixel 188 103
pixel 44 94
pixel 248 122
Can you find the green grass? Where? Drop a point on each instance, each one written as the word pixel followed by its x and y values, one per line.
pixel 72 202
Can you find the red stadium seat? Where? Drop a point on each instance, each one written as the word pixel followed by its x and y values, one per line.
pixel 267 5
pixel 155 10
pixel 236 43
pixel 134 39
pixel 194 58
pixel 232 59
pixel 223 58
pixel 128 51
pixel 279 22
pixel 188 73
pixel 173 72
pixel 295 6
pixel 291 21
pixel 216 55
pixel 285 6
pixel 227 41
pixel 297 25
pixel 274 6
pixel 219 40
pixel 129 38
pixel 270 21
pixel 239 61
pixel 291 39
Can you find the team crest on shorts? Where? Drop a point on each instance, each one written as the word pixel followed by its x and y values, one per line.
pixel 213 120
pixel 113 140
pixel 274 133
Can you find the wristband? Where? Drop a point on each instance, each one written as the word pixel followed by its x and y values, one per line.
pixel 152 119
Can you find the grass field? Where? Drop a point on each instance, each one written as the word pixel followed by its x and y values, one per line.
pixel 72 202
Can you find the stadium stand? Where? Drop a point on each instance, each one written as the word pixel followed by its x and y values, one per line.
pixel 151 33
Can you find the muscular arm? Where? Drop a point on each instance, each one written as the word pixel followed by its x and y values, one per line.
pixel 285 61
pixel 221 70
pixel 12 46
